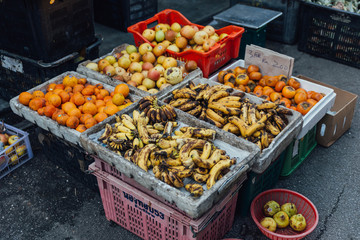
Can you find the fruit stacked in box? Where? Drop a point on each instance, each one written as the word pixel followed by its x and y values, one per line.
pixel 178 37
pixel 15 148
pixel 152 143
pixel 310 99
pixel 72 103
pixel 268 125
pixel 145 69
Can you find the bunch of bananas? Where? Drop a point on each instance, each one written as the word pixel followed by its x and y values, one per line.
pixel 173 155
pixel 156 114
pixel 232 112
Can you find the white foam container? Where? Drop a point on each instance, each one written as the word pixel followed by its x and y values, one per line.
pixel 315 114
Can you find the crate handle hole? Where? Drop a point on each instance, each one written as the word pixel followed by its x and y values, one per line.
pixel 344 122
pixel 335 129
pixel 322 129
pixel 153 24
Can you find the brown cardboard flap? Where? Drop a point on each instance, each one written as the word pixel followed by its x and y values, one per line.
pixel 338 120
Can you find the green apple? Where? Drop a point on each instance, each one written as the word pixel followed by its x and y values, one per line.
pixel 130 49
pixel 159 36
pixel 289 208
pixel 270 208
pixel 268 223
pixel 111 59
pixel 93 66
pixel 298 222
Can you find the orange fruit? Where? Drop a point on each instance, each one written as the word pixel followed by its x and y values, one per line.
pixel 65 97
pixel 101 109
pixel 82 81
pixel 62 118
pixel 25 97
pixel 81 128
pixel 104 92
pixel 74 112
pixel 91 98
pixel 68 89
pixel 51 87
pixel 38 94
pixel 66 107
pixel 40 111
pixel 36 103
pixel 99 86
pixel 87 91
pixel 100 117
pixel 78 88
pixel 58 90
pixel 99 103
pixel 60 86
pixel 55 100
pixel 118 99
pixel 72 122
pixel 288 92
pixel 84 117
pixel 70 81
pixel 123 89
pixel 90 122
pixel 49 110
pixel 111 109
pixel 107 99
pixel 47 95
pixel 90 108
pixel 57 113
pixel 78 99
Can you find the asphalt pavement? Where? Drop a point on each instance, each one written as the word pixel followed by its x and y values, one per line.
pixel 44 199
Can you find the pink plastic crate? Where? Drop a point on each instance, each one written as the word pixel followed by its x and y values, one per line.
pixel 149 218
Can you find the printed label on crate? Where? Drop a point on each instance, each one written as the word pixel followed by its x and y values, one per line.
pixel 12 64
pixel 146 208
pixel 271 63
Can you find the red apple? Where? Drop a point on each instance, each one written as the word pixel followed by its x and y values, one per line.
pixel 153 74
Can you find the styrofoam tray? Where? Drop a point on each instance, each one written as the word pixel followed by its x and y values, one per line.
pixel 244 152
pixel 113 82
pixel 47 123
pixel 316 113
pixel 277 146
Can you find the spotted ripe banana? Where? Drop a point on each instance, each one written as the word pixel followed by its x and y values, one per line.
pixel 240 124
pixel 210 162
pixel 180 101
pixel 216 170
pixel 266 105
pixel 195 111
pixel 214 116
pixel 175 180
pixel 200 178
pixel 196 190
pixel 218 106
pixel 206 151
pixel 229 98
pixel 229 127
pixel 144 156
pixel 218 95
pixel 187 147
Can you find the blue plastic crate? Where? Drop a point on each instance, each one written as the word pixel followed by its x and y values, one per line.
pixel 15 154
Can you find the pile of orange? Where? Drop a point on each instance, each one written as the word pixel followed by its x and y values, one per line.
pixel 75 103
pixel 279 89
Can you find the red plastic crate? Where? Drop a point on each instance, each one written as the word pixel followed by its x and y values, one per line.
pixel 208 62
pixel 149 218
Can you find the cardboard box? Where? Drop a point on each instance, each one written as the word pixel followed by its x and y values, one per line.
pixel 338 120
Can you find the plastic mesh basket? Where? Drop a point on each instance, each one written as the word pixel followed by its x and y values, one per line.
pixel 149 218
pixel 17 153
pixel 303 205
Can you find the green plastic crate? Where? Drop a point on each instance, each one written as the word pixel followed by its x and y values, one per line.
pixel 252 36
pixel 298 151
pixel 257 183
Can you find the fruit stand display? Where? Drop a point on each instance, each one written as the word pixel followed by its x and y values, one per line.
pixel 50 106
pixel 145 69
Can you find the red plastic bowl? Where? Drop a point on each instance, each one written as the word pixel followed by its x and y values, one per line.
pixel 303 205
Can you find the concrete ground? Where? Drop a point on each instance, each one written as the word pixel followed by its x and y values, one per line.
pixel 44 199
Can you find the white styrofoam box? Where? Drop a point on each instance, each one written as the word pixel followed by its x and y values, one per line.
pixel 46 123
pixel 277 146
pixel 113 82
pixel 316 113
